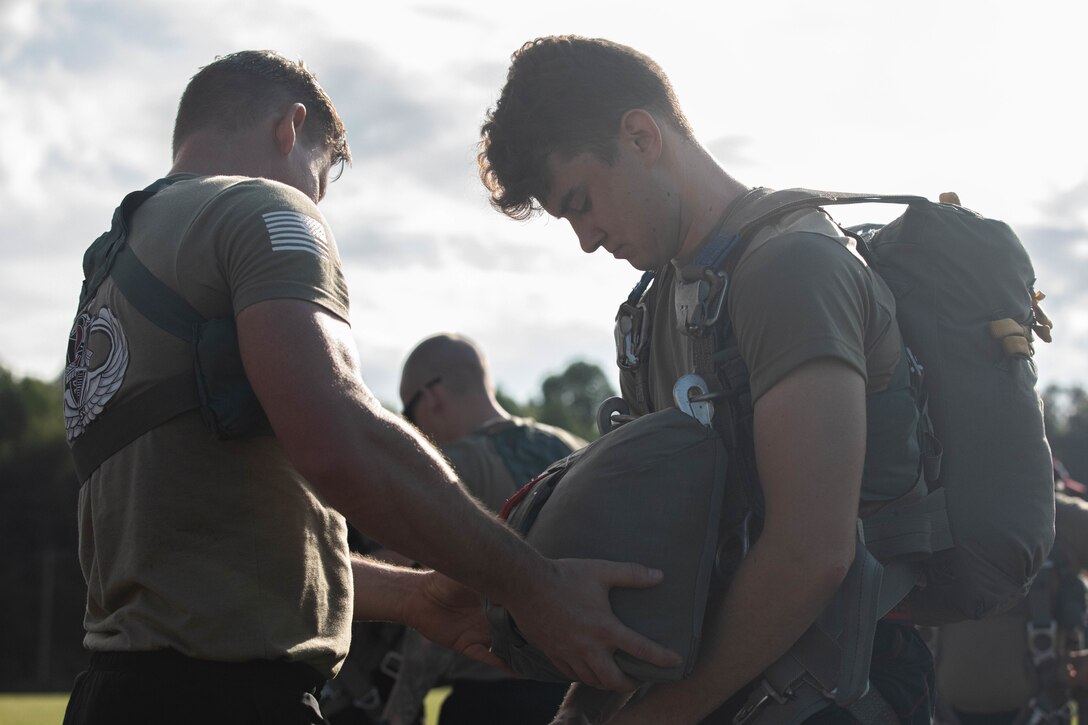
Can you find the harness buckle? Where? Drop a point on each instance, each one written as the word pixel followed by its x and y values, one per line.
pixel 391 663
pixel 631 334
pixel 699 302
pixel 758 700
pixel 1042 642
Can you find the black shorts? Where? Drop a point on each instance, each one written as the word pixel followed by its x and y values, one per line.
pixel 167 688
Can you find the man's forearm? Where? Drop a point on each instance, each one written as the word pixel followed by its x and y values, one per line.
pixel 408 499
pixel 380 589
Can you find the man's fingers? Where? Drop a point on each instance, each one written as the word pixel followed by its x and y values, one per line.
pixel 630 575
pixel 644 648
pixel 611 677
pixel 480 653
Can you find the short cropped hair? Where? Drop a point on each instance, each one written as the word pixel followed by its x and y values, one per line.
pixel 236 91
pixel 565 95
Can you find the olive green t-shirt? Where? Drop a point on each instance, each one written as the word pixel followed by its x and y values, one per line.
pixel 217 549
pixel 800 292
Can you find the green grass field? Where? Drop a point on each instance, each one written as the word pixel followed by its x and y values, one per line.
pixel 48 708
pixel 33 708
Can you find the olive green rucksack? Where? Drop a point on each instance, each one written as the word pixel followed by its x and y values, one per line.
pixel 967 309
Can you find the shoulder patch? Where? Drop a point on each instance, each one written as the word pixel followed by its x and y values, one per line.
pixel 295 231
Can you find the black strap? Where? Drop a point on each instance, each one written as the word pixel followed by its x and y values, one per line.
pixel 124 422
pixel 153 299
pixel 100 256
pixel 526 451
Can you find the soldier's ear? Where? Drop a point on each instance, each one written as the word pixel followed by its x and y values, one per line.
pixel 288 127
pixel 639 128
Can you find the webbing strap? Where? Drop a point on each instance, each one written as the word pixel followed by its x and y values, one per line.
pixel 100 256
pixel 873 709
pixel 832 659
pixel 860 610
pixel 920 527
pixel 793 199
pixel 830 662
pixel 152 298
pixel 124 422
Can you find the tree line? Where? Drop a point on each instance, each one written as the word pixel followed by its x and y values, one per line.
pixel 42 610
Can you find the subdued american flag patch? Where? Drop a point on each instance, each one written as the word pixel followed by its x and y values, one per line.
pixel 292 230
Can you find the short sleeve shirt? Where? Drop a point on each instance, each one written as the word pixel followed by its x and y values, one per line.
pixel 218 549
pixel 800 292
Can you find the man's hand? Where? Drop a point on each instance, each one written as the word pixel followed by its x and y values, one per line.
pixel 450 614
pixel 567 614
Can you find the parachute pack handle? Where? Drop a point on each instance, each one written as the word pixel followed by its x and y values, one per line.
pixel 807 198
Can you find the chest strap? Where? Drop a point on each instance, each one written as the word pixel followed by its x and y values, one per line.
pixel 124 422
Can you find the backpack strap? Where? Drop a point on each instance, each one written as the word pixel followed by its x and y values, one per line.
pixel 831 660
pixel 222 394
pixel 99 257
pixel 526 451
pixel 111 256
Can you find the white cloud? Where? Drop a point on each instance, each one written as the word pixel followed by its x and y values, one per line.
pixel 974 96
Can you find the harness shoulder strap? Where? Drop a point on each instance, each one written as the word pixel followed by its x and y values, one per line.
pixel 527 451
pixel 110 256
pixel 831 661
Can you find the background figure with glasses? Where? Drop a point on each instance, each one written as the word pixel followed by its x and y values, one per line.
pixel 449 395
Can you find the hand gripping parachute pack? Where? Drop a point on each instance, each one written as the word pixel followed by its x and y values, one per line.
pixel 649 491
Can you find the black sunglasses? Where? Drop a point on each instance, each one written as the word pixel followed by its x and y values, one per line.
pixel 409 407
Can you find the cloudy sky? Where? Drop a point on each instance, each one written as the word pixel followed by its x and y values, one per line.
pixel 985 98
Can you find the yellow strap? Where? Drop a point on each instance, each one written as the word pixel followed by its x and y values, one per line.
pixel 1015 345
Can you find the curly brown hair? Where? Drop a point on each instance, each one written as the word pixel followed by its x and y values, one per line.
pixel 565 95
pixel 235 91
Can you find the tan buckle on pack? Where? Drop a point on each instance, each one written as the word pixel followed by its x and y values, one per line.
pixel 1015 338
pixel 1041 323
